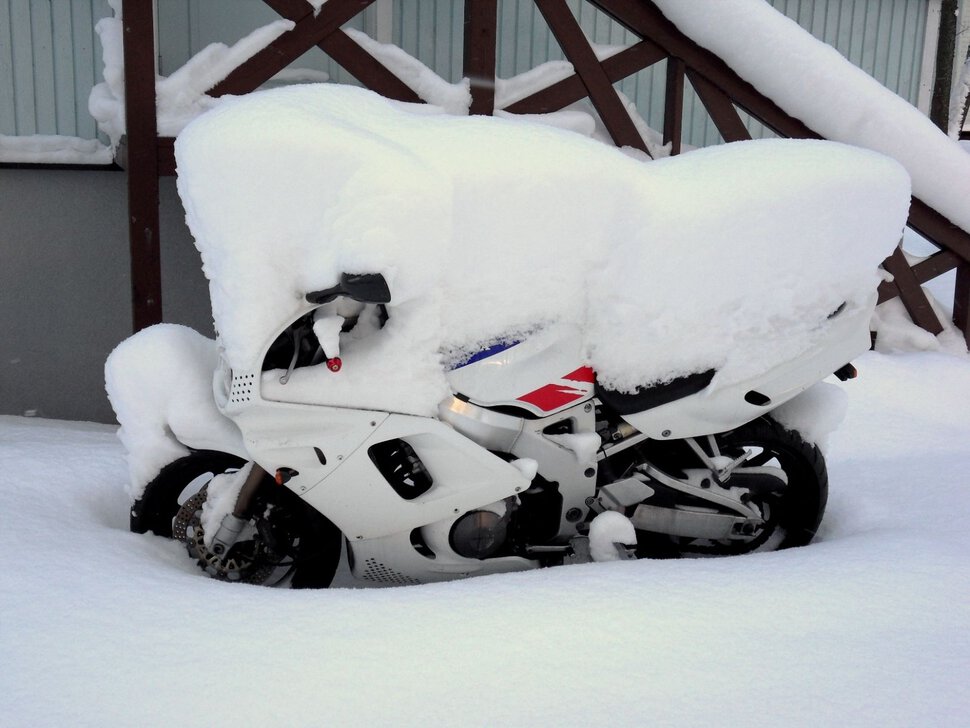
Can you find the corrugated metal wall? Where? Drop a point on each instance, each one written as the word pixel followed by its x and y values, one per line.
pixel 884 37
pixel 187 26
pixel 50 56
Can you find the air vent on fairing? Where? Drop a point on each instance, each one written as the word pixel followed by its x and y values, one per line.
pixel 401 467
pixel 377 571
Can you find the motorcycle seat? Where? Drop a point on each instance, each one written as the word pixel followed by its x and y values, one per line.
pixel 644 398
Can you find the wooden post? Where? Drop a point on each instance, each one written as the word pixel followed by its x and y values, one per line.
pixel 481 36
pixel 138 20
pixel 961 301
pixel 674 105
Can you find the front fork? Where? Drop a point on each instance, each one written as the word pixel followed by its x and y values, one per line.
pixel 233 523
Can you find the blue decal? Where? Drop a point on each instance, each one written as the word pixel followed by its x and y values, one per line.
pixel 486 353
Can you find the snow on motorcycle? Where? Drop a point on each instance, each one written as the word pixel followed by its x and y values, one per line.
pixel 436 412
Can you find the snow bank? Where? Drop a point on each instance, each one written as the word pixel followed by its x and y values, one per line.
pixel 489 228
pixel 159 382
pixel 867 627
pixel 813 82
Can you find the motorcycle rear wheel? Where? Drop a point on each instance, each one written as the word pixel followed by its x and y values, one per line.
pixel 178 491
pixel 792 517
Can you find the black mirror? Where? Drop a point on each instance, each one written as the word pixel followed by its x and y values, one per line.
pixel 360 287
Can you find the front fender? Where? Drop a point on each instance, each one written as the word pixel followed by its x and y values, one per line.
pixel 159 382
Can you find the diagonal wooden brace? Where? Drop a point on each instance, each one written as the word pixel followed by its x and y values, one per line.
pixel 911 293
pixel 562 93
pixel 605 100
pixel 310 29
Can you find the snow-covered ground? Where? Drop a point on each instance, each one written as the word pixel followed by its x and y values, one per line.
pixel 868 626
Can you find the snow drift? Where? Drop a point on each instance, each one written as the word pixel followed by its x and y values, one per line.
pixel 489 228
pixel 868 627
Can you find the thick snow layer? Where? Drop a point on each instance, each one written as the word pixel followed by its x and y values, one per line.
pixel 489 228
pixel 816 413
pixel 813 82
pixel 606 531
pixel 159 382
pixel 865 627
pixel 53 149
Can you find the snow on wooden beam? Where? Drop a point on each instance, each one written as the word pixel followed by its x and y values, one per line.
pixel 912 295
pixel 309 31
pixel 644 19
pixel 365 68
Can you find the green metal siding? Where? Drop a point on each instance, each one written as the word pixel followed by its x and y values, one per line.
pixel 50 56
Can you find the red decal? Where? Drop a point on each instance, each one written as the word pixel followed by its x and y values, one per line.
pixel 552 396
pixel 583 374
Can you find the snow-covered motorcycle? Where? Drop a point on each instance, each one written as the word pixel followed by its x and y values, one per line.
pixel 525 455
pixel 455 346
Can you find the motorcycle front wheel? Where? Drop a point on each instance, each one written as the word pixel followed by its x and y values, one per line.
pixel 287 542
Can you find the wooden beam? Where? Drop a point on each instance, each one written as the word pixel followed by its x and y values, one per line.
pixel 926 270
pixel 578 51
pixel 166 156
pixel 719 106
pixel 365 68
pixel 481 37
pixel 961 301
pixel 138 22
pixel 674 105
pixel 644 19
pixel 935 227
pixel 563 93
pixel 310 29
pixel 911 294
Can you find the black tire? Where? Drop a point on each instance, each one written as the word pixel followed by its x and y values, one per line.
pixel 316 542
pixel 797 513
pixel 159 502
pixel 792 516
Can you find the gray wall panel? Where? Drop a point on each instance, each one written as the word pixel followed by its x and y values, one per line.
pixel 65 297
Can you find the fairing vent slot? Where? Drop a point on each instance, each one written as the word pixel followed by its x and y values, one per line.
pixel 401 468
pixel 757 398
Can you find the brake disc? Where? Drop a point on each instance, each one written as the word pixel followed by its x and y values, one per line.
pixel 247 561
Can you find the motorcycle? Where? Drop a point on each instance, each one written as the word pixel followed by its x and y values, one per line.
pixel 523 460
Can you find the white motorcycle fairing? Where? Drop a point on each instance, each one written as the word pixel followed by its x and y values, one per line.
pixel 513 397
